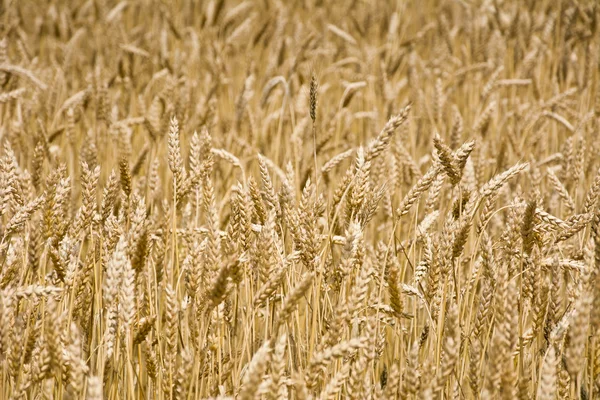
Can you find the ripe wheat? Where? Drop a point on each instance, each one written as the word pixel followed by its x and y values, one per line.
pixel 408 209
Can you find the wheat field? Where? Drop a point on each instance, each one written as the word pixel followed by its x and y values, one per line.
pixel 300 200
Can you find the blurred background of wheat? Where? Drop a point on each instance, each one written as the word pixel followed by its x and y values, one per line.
pixel 305 199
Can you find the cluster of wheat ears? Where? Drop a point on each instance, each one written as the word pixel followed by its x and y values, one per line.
pixel 305 199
